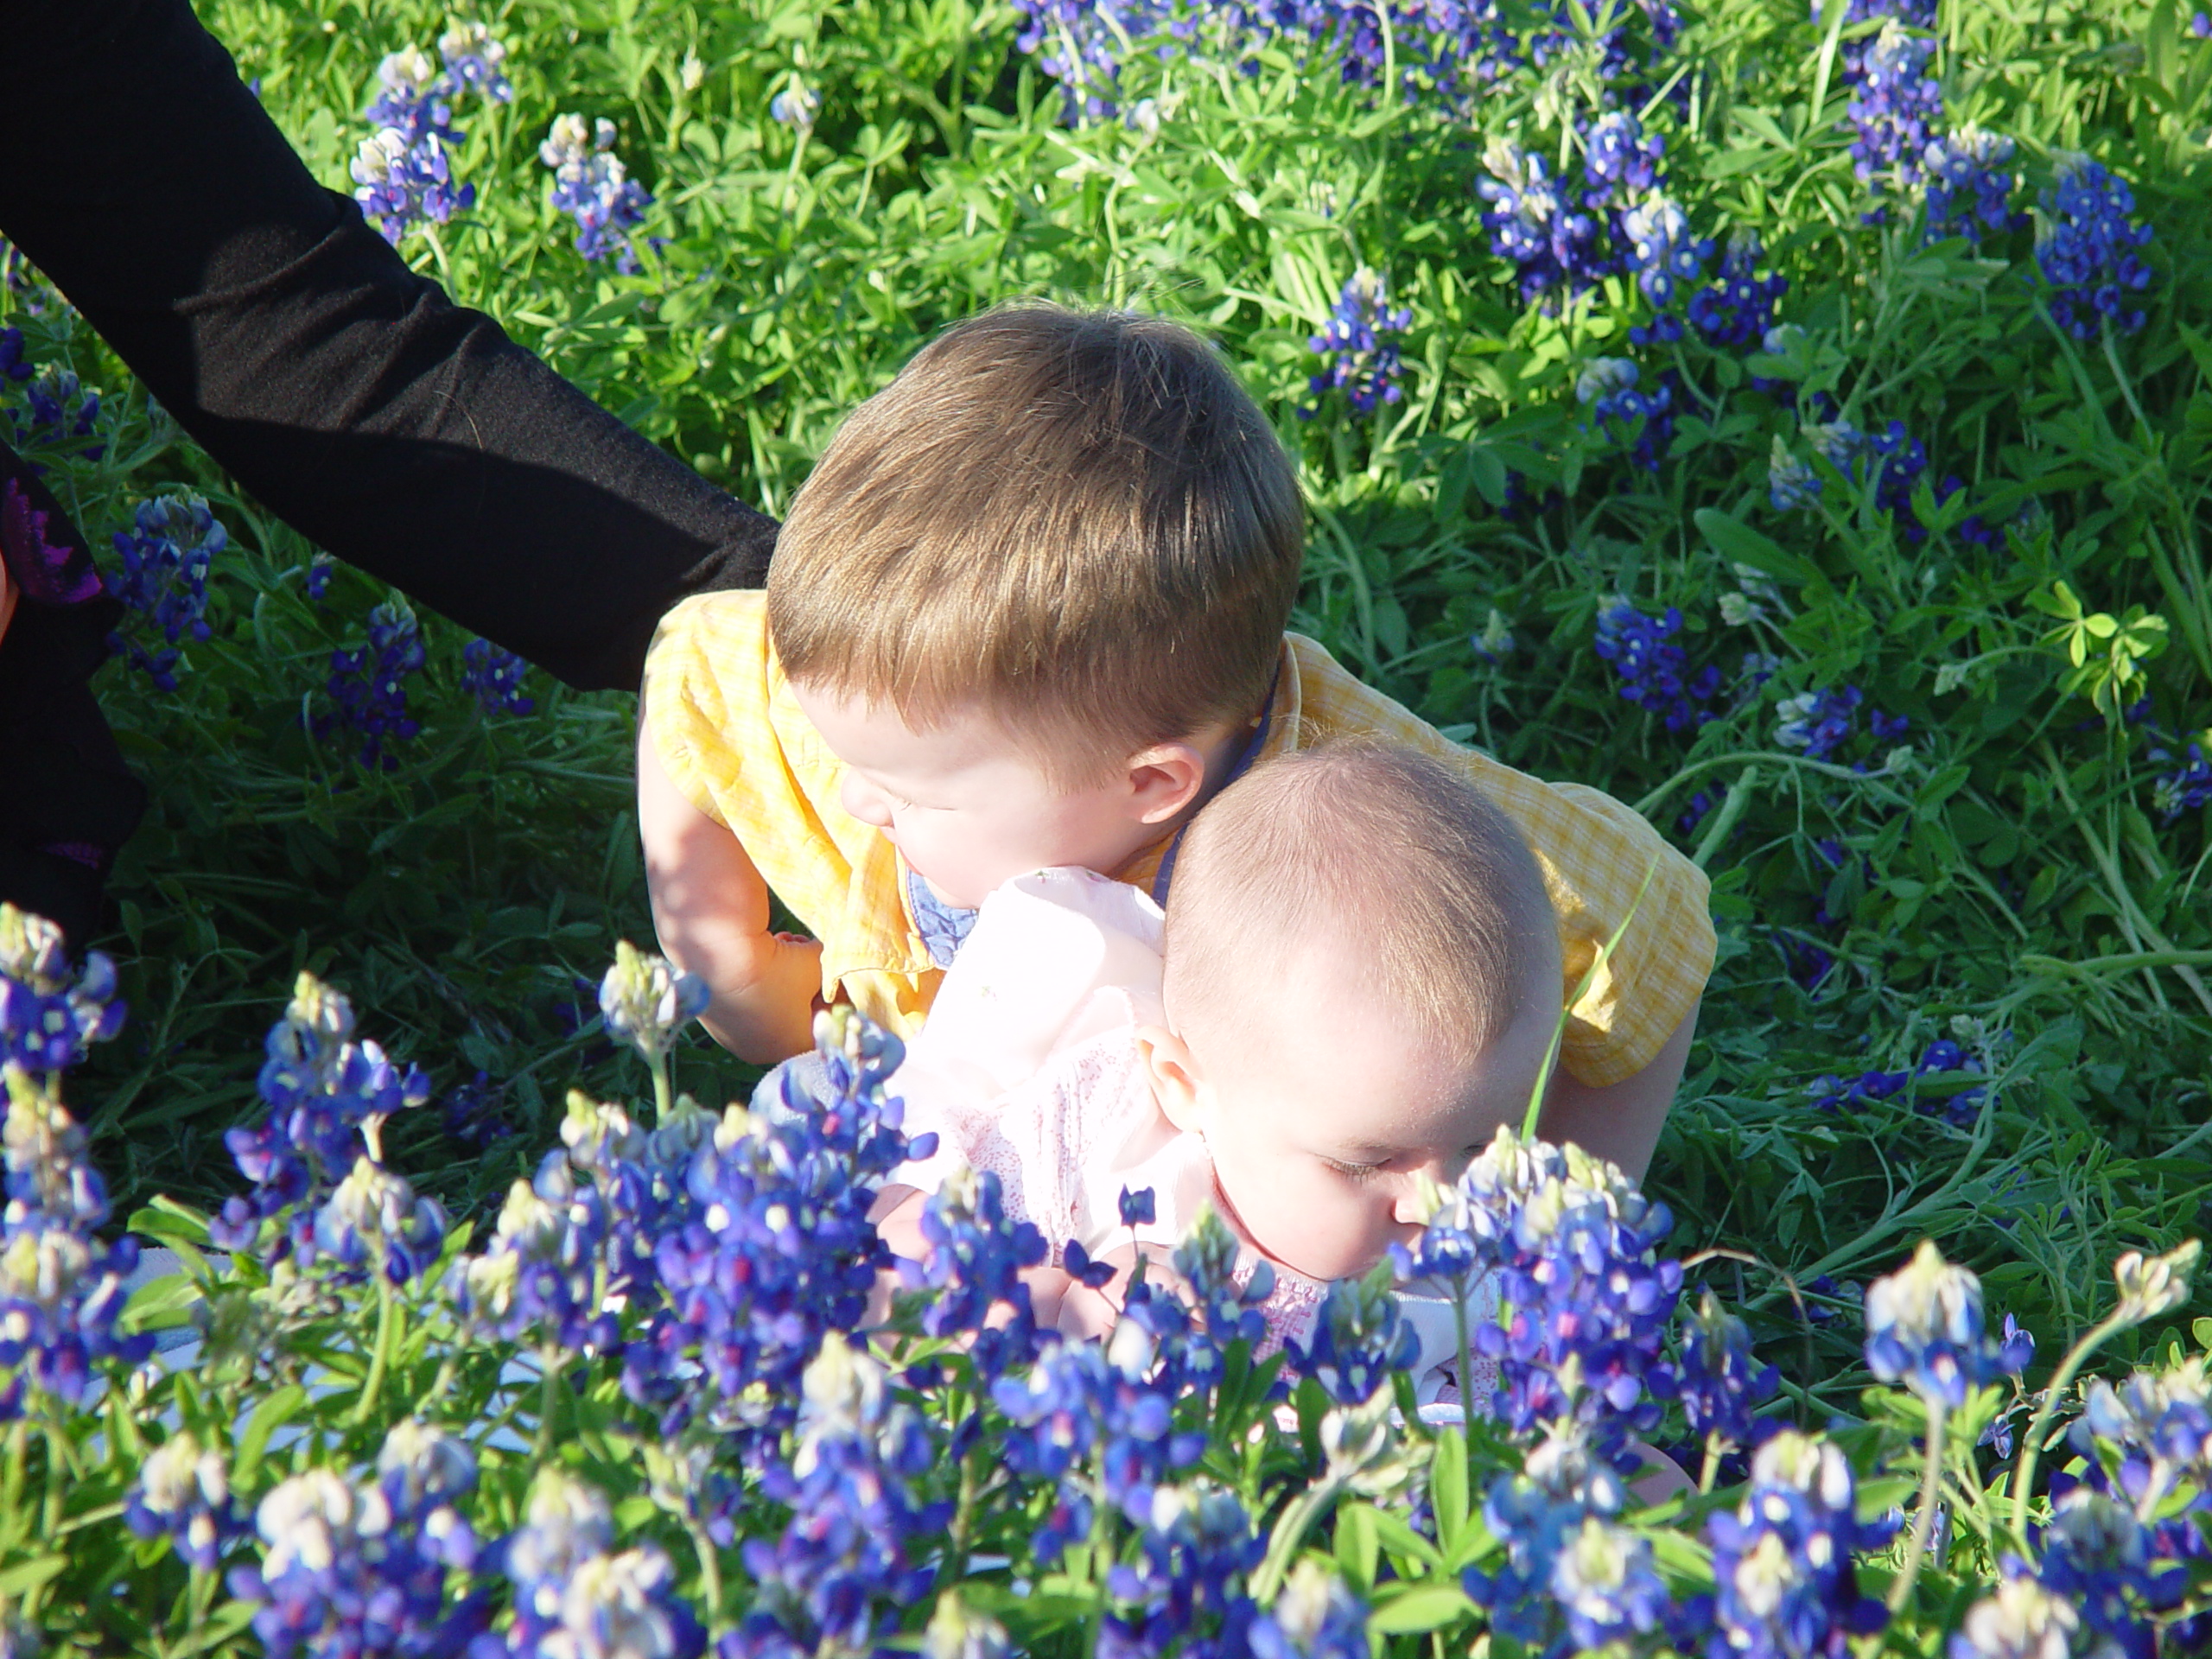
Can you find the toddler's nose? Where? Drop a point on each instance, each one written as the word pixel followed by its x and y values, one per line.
pixel 864 801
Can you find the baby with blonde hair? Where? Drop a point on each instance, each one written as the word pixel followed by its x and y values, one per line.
pixel 1352 987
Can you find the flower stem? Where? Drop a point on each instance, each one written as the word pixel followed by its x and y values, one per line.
pixel 552 1359
pixel 2023 1472
pixel 1711 1467
pixel 1924 1526
pixel 710 1572
pixel 380 1359
pixel 664 1092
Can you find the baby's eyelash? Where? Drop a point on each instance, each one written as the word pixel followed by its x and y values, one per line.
pixel 1356 1172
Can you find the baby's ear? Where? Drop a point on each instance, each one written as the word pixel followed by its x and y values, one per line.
pixel 1174 1077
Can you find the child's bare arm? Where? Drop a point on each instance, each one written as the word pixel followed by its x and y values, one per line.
pixel 1622 1122
pixel 710 909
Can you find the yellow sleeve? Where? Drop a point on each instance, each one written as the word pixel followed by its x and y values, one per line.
pixel 1594 852
pixel 686 709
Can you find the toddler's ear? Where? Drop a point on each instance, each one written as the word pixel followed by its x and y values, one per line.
pixel 1174 1077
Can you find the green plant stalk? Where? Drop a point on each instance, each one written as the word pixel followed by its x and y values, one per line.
pixel 710 1573
pixel 1731 810
pixel 1710 1469
pixel 1931 1482
pixel 1558 1032
pixel 380 1359
pixel 663 1090
pixel 2023 1472
pixel 1290 1531
pixel 552 1359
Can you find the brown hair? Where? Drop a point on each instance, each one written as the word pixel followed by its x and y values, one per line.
pixel 1079 520
pixel 1384 852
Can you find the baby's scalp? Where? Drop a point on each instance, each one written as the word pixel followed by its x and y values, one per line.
pixel 1079 521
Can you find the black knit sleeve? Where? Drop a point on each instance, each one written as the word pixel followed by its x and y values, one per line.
pixel 406 435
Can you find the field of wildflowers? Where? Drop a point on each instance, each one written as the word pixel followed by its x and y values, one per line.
pixel 1796 424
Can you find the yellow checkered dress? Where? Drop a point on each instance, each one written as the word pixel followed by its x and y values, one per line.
pixel 725 725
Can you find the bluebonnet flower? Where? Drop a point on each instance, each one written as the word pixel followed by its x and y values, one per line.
pixel 2188 787
pixel 592 187
pixel 50 1019
pixel 1720 1381
pixel 1970 185
pixel 794 107
pixel 61 1290
pixel 2200 25
pixel 1660 249
pixel 575 1595
pixel 1359 1337
pixel 1552 244
pixel 2098 1554
pixel 59 408
pixel 956 1630
pixel 1739 308
pixel 373 1218
pixel 183 1493
pixel 646 1001
pixel 1790 484
pixel 1819 722
pixel 13 364
pixel 411 98
pixel 1315 1617
pixel 1136 1209
pixel 1078 43
pixel 1608 388
pixel 472 60
pixel 326 1095
pixel 1620 156
pixel 320 571
pixel 2155 1427
pixel 1653 671
pixel 1362 365
pixel 845 1563
pixel 370 687
pixel 1924 1330
pixel 351 1569
pixel 774 1246
pixel 1604 1581
pixel 974 1264
pixel 1784 1584
pixel 2022 1620
pixel 1539 1514
pixel 405 183
pixel 1223 1294
pixel 494 677
pixel 1895 106
pixel 2087 252
pixel 165 563
pixel 1193 1540
pixel 538 1281
pixel 474 1113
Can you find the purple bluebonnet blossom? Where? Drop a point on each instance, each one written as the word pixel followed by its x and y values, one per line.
pixel 2099 1555
pixel 472 60
pixel 370 687
pixel 1193 1540
pixel 1608 389
pixel 1534 223
pixel 1315 1617
pixel 167 559
pixel 1079 44
pixel 846 1563
pixel 2188 787
pixel 1895 106
pixel 13 364
pixel 360 1569
pixel 1783 1582
pixel 49 1018
pixel 539 1281
pixel 1660 249
pixel 773 1246
pixel 1653 671
pixel 1136 1209
pixel 1739 308
pixel 796 107
pixel 1943 1056
pixel 412 98
pixel 1924 1330
pixel 58 408
pixel 1970 185
pixel 1821 722
pixel 2019 1620
pixel 1791 484
pixel 2200 25
pixel 1538 1515
pixel 474 1113
pixel 592 187
pixel 974 1263
pixel 494 677
pixel 2087 252
pixel 1359 1338
pixel 405 183
pixel 1361 362
pixel 645 1000
pixel 326 1095
pixel 183 1494
pixel 61 1289
pixel 1722 1382
pixel 374 1219
pixel 321 569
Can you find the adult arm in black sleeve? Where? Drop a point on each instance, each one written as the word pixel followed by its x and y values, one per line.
pixel 405 434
